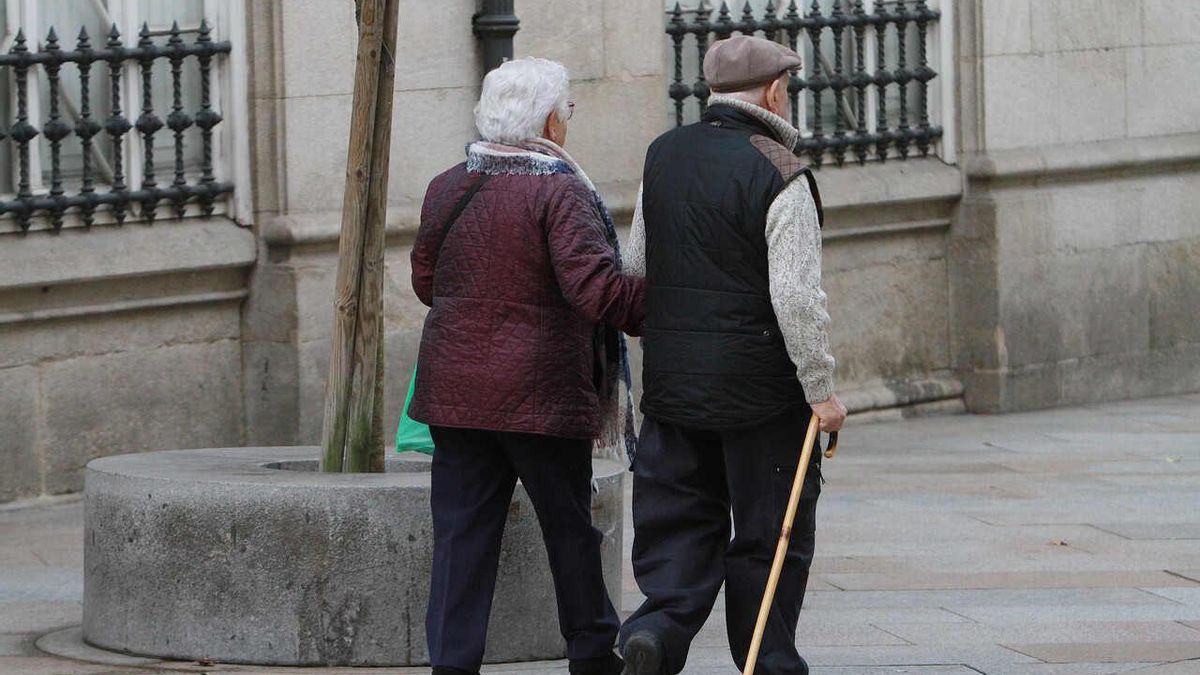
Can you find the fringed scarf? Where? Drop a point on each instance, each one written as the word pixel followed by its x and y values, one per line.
pixel 541 157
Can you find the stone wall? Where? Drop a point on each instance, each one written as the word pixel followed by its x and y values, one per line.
pixel 1077 249
pixel 885 270
pixel 114 341
pixel 302 100
pixel 613 49
pixel 1057 261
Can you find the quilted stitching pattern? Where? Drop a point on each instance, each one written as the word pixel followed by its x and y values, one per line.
pixel 784 160
pixel 515 291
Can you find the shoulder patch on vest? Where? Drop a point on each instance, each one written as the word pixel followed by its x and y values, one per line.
pixel 790 167
pixel 785 161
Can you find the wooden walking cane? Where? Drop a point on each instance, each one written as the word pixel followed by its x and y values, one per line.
pixel 789 517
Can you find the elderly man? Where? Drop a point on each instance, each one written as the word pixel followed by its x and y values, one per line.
pixel 727 233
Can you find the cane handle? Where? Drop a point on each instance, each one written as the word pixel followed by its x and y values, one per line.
pixel 833 445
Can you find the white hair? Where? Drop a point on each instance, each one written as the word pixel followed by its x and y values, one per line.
pixel 517 98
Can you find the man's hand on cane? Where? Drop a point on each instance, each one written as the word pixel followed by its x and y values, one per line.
pixel 832 414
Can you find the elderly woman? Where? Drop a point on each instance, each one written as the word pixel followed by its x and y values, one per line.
pixel 522 368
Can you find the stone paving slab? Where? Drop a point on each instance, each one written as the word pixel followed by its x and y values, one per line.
pixel 1080 536
pixel 991 659
pixel 1062 511
pixel 894 669
pixel 1164 465
pixel 1187 595
pixel 1116 632
pixel 1191 574
pixel 15 645
pixel 1189 667
pixel 942 566
pixel 994 597
pixel 1119 652
pixel 984 580
pixel 37 665
pixel 40 583
pixel 1151 554
pixel 1151 482
pixel 816 619
pixel 18 557
pixel 810 635
pixel 1065 613
pixel 1032 516
pixel 842 522
pixel 1077 668
pixel 39 617
pixel 1150 443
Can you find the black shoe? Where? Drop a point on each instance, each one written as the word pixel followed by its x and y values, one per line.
pixel 609 664
pixel 643 655
pixel 446 670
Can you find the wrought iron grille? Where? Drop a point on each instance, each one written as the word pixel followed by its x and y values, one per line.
pixel 88 195
pixel 871 65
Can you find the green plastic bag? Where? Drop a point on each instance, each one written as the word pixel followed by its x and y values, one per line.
pixel 411 435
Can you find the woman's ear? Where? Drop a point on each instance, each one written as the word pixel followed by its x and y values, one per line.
pixel 555 130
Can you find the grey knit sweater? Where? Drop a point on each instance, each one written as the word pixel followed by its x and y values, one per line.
pixel 794 264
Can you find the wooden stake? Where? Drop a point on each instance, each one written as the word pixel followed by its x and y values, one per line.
pixel 350 247
pixel 785 536
pixel 364 443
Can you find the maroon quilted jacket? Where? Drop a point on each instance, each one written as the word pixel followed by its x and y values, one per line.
pixel 515 291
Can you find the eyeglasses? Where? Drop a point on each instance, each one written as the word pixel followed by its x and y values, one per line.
pixel 570 110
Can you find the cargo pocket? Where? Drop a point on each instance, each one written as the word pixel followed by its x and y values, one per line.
pixel 814 479
pixel 783 476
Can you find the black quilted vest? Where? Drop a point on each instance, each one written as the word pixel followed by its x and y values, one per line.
pixel 713 354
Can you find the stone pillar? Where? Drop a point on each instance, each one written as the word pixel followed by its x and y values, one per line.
pixel 1077 242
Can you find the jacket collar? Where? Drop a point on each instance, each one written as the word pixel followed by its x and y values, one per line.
pixel 738 113
pixel 527 160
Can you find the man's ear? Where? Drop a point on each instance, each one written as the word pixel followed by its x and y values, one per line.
pixel 772 94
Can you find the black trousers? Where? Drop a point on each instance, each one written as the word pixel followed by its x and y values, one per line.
pixel 474 474
pixel 686 482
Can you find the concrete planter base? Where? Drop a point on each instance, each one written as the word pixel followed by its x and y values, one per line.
pixel 247 555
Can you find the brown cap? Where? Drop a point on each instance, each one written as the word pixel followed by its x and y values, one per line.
pixel 742 62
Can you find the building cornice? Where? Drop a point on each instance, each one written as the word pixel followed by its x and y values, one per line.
pixel 1123 154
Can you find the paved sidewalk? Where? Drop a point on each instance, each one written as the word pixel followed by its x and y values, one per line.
pixel 1064 542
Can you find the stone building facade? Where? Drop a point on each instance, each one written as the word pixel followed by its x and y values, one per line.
pixel 1048 252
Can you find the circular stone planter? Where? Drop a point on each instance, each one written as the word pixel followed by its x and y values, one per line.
pixel 248 555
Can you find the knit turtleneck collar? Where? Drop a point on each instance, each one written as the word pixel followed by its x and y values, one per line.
pixel 783 131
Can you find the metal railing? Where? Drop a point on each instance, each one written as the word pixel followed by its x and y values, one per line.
pixel 878 57
pixel 89 126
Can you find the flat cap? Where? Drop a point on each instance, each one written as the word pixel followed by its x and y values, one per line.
pixel 742 62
